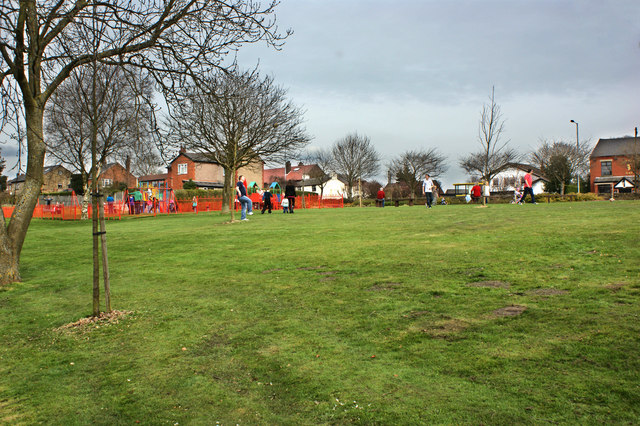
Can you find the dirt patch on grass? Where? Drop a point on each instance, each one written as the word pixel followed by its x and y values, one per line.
pixel 384 287
pixel 416 314
pixel 84 324
pixel 615 286
pixel 491 284
pixel 509 311
pixel 547 292
pixel 309 268
pixel 448 329
pixel 268 271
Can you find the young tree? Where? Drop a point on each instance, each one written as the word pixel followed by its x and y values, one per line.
pixel 236 119
pixel 355 158
pixel 42 42
pixel 411 166
pixel 495 154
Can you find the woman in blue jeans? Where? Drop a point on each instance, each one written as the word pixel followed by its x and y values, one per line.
pixel 245 201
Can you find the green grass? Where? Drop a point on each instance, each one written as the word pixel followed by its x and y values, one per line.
pixel 387 316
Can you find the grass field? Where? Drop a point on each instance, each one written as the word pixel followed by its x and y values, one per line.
pixel 459 314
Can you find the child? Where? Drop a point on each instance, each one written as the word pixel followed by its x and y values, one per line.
pixel 285 205
pixel 516 195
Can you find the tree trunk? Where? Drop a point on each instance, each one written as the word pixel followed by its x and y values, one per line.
pixel 562 189
pixel 12 236
pixel 227 190
pixel 105 257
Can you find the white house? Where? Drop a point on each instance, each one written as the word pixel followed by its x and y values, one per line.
pixel 512 176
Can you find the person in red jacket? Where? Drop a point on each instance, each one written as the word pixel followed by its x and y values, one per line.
pixel 476 192
pixel 528 188
pixel 380 198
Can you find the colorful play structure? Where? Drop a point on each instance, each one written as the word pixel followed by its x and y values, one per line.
pixel 153 200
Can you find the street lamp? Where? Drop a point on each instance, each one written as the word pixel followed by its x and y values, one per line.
pixel 577 154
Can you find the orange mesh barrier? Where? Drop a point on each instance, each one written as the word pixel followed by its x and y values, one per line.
pixel 118 209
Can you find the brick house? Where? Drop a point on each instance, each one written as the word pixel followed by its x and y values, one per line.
pixel 114 173
pixel 308 178
pixel 56 178
pixel 206 173
pixel 610 162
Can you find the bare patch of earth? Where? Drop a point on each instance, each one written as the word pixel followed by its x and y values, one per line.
pixel 84 324
pixel 509 311
pixel 492 284
pixel 615 286
pixel 547 292
pixel 309 268
pixel 384 286
pixel 447 330
pixel 416 314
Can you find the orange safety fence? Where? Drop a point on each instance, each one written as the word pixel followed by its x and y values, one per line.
pixel 117 209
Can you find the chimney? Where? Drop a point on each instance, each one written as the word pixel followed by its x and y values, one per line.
pixel 287 167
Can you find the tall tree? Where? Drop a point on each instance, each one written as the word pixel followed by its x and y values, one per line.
pixel 411 166
pixel 42 42
pixel 355 158
pixel 236 119
pixel 494 154
pixel 122 107
pixel 559 161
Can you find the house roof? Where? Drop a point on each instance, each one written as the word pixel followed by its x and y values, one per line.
pixel 18 179
pixel 150 178
pixel 196 157
pixel 48 169
pixel 616 146
pixel 295 173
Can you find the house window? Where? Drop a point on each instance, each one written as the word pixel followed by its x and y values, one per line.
pixel 605 168
pixel 106 182
pixel 59 186
pixel 313 188
pixel 182 169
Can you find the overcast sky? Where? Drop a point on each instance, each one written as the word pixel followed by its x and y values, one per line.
pixel 415 74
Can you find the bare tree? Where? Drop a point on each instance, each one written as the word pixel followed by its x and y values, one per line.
pixel 559 161
pixel 495 154
pixel 324 160
pixel 411 166
pixel 355 158
pixel 236 119
pixel 42 42
pixel 122 106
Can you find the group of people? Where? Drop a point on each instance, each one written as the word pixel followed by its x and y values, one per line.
pixel 287 203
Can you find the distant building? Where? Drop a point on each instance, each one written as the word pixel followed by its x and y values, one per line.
pixel 154 181
pixel 610 163
pixel 15 184
pixel 512 176
pixel 56 178
pixel 113 174
pixel 206 173
pixel 306 177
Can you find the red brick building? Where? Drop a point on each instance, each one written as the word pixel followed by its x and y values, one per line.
pixel 114 173
pixel 206 173
pixel 611 161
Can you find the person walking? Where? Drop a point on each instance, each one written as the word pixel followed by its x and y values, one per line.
pixel 380 198
pixel 290 193
pixel 427 189
pixel 528 188
pixel 266 201
pixel 245 202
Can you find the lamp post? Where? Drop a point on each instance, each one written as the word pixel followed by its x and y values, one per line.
pixel 577 153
